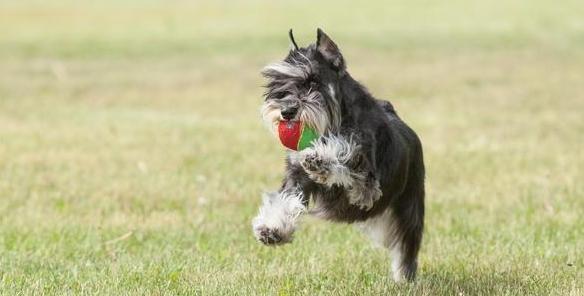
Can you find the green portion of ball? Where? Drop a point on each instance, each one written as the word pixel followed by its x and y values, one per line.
pixel 308 135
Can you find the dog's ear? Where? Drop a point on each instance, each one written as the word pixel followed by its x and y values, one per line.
pixel 329 50
pixel 292 40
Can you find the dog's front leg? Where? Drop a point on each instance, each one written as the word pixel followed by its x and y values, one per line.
pixel 279 214
pixel 342 161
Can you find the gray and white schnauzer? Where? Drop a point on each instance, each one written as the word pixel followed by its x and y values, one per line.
pixel 365 168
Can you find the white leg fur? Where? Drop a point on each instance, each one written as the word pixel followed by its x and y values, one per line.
pixel 278 216
pixel 380 230
pixel 397 262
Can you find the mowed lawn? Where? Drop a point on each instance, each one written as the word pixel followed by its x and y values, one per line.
pixel 133 158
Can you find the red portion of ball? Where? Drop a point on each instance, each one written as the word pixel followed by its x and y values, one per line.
pixel 289 133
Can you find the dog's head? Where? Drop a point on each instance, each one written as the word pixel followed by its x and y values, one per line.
pixel 304 86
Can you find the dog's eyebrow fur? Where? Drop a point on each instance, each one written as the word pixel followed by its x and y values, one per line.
pixel 286 70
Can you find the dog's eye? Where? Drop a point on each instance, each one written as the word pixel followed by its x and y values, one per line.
pixel 310 84
pixel 312 81
pixel 280 94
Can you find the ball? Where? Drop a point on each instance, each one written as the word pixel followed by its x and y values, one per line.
pixel 296 135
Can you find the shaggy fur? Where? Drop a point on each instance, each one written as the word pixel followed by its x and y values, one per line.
pixel 367 167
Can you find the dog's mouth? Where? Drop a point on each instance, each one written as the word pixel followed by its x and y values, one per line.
pixel 313 116
pixel 272 117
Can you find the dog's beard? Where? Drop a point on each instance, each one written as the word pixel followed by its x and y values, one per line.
pixel 271 116
pixel 311 112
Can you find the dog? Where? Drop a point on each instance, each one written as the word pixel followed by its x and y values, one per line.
pixel 366 167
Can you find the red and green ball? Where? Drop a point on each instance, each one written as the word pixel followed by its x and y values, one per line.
pixel 296 135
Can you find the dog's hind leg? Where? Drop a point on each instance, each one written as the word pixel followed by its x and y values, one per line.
pixel 387 230
pixel 408 224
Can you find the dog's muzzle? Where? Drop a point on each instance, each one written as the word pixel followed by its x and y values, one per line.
pixel 289 112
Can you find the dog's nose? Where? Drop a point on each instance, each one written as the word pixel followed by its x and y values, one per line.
pixel 289 113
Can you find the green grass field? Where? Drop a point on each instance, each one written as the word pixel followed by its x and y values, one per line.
pixel 132 156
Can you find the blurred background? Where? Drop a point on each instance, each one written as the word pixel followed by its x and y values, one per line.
pixel 132 156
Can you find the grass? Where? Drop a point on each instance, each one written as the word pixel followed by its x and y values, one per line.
pixel 132 157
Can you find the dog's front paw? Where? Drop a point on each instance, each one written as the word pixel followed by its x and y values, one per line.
pixel 276 221
pixel 271 236
pixel 316 167
pixel 364 195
